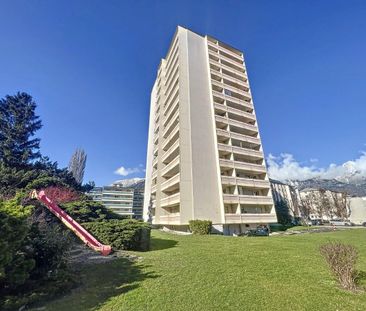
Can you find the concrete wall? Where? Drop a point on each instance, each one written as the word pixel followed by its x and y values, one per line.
pixel 149 159
pixel 203 135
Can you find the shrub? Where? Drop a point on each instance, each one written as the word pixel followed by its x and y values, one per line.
pixel 49 244
pixel 341 259
pixel 200 226
pixel 88 211
pixel 126 234
pixel 33 255
pixel 15 265
pixel 61 194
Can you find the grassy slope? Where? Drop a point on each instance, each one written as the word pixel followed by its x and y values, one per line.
pixel 221 273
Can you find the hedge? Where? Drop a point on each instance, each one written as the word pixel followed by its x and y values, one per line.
pixel 201 227
pixel 128 234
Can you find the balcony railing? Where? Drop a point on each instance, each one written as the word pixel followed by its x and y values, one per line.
pixel 237 136
pixel 247 199
pixel 256 168
pixel 245 182
pixel 169 112
pixel 170 182
pixel 171 97
pixel 170 151
pixel 239 65
pixel 170 166
pixel 220 76
pixel 250 218
pixel 240 124
pixel 238 112
pixel 228 68
pixel 169 126
pixel 168 141
pixel 231 89
pixel 219 47
pixel 238 150
pixel 232 99
pixel 171 200
pixel 170 219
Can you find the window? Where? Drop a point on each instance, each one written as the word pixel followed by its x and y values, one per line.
pixel 227 92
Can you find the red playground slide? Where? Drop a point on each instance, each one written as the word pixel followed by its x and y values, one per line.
pixel 84 235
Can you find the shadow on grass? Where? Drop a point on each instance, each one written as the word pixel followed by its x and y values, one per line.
pixel 361 279
pixel 159 244
pixel 101 282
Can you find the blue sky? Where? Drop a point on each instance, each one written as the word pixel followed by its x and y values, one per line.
pixel 90 66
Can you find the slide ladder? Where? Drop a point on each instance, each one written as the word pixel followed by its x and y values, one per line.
pixel 73 225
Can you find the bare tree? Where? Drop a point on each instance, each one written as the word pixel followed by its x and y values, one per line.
pixel 77 165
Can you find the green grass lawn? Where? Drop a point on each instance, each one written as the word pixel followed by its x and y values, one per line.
pixel 221 273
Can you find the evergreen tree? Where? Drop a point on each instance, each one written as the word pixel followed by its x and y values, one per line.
pixel 77 165
pixel 18 124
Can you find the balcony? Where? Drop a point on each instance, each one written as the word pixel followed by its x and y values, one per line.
pixel 252 168
pixel 216 64
pixel 247 199
pixel 250 218
pixel 240 137
pixel 156 138
pixel 220 48
pixel 170 140
pixel 252 154
pixel 232 79
pixel 232 89
pixel 171 200
pixel 229 76
pixel 245 182
pixel 233 99
pixel 174 81
pixel 171 184
pixel 172 109
pixel 156 128
pixel 172 49
pixel 237 92
pixel 171 124
pixel 170 219
pixel 242 125
pixel 171 62
pixel 171 97
pixel 236 62
pixel 224 108
pixel 239 64
pixel 157 117
pixel 171 169
pixel 155 161
pixel 155 151
pixel 171 153
pixel 153 189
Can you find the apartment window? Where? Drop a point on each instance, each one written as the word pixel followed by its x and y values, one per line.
pixel 227 92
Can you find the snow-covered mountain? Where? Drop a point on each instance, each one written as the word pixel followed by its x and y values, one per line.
pixel 352 186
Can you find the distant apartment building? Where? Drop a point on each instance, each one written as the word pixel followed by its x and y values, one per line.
pixel 205 158
pixel 310 203
pixel 324 204
pixel 125 201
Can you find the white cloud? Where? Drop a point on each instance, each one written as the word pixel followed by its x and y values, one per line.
pixel 285 167
pixel 123 171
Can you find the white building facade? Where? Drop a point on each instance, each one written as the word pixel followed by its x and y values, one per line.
pixel 205 158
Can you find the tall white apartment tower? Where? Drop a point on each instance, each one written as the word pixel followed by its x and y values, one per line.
pixel 204 158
